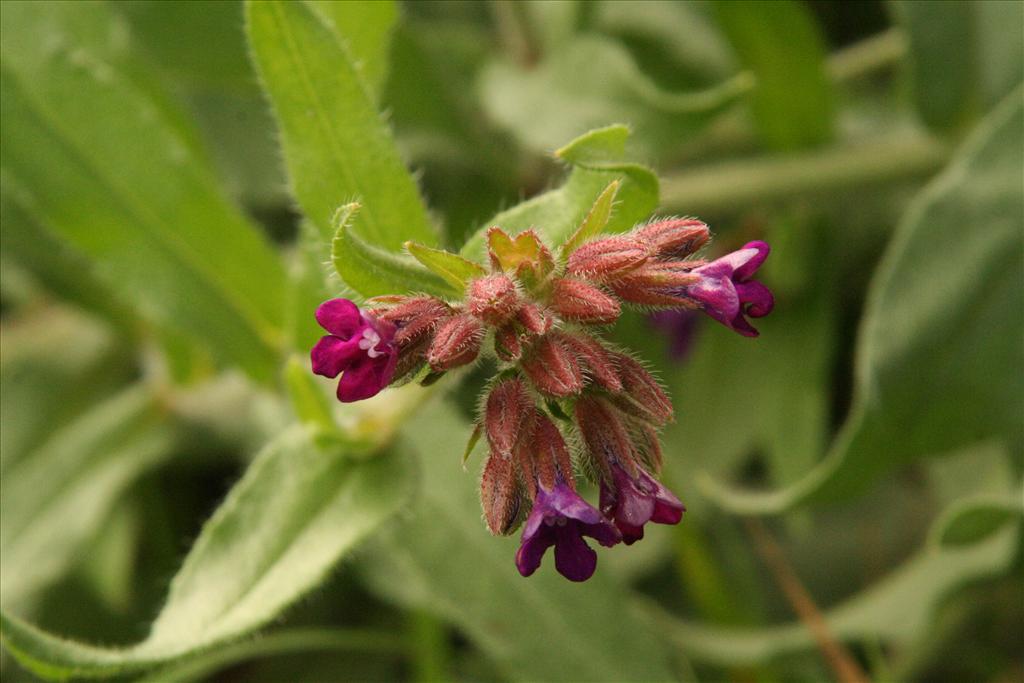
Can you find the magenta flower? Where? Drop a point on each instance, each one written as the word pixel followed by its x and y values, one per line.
pixel 358 346
pixel 726 292
pixel 631 503
pixel 561 518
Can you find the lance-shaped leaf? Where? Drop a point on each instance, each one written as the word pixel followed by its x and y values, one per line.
pixel 455 269
pixel 295 512
pixel 932 329
pixel 595 221
pixel 336 145
pixel 107 166
pixel 364 28
pixel 372 271
pixel 595 161
pixel 481 592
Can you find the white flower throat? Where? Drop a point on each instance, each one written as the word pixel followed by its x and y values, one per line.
pixel 369 343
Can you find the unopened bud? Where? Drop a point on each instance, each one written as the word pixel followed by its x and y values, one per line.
pixel 507 345
pixel 500 495
pixel 641 395
pixel 553 368
pixel 493 299
pixel 415 317
pixel 650 447
pixel 605 259
pixel 552 461
pixel 596 360
pixel 534 319
pixel 581 302
pixel 604 434
pixel 658 283
pixel 673 237
pixel 456 342
pixel 508 416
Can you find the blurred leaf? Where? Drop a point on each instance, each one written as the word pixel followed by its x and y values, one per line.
pixel 53 365
pixel 308 401
pixel 364 27
pixel 963 56
pixel 973 518
pixel 900 607
pixel 110 173
pixel 57 496
pixel 514 619
pixel 455 270
pixel 337 147
pixel 945 328
pixel 372 271
pixel 557 213
pixel 781 44
pixel 294 513
pixel 591 82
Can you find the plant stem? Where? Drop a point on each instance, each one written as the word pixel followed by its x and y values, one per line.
pixel 732 186
pixel 871 54
pixel 429 648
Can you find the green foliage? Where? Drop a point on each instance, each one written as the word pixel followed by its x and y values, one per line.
pixel 183 183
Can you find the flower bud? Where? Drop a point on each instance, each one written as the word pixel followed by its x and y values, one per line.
pixel 415 317
pixel 507 345
pixel 605 259
pixel 533 319
pixel 596 360
pixel 604 434
pixel 658 283
pixel 552 368
pixel 456 342
pixel 508 416
pixel 500 495
pixel 493 299
pixel 551 456
pixel 673 237
pixel 578 301
pixel 641 395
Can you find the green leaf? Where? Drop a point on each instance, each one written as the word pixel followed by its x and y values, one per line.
pixel 294 513
pixel 780 43
pixel 557 213
pixel 595 221
pixel 513 619
pixel 375 272
pixel 104 166
pixel 591 82
pixel 920 314
pixel 596 146
pixel 364 27
pixel 456 270
pixel 977 517
pixel 336 146
pixel 58 495
pixel 308 401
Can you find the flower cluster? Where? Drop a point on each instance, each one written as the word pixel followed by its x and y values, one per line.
pixel 559 383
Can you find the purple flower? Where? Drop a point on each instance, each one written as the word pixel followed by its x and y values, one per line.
pixel 726 292
pixel 358 345
pixel 631 503
pixel 561 518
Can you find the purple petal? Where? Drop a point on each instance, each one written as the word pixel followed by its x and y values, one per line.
pixel 361 380
pixel 631 534
pixel 340 317
pixel 331 355
pixel 604 532
pixel 741 325
pixel 757 298
pixel 751 264
pixel 533 546
pixel 718 297
pixel 567 503
pixel 574 559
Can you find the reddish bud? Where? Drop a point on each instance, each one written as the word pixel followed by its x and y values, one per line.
pixel 493 299
pixel 553 368
pixel 605 435
pixel 507 345
pixel 533 319
pixel 499 495
pixel 551 454
pixel 456 342
pixel 673 237
pixel 641 394
pixel 650 447
pixel 596 360
pixel 578 301
pixel 605 259
pixel 415 317
pixel 658 283
pixel 508 416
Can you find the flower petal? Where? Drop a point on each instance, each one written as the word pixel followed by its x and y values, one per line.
pixel 574 559
pixel 751 263
pixel 756 298
pixel 533 547
pixel 340 317
pixel 360 381
pixel 331 355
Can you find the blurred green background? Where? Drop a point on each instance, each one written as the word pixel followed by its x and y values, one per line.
pixel 853 477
